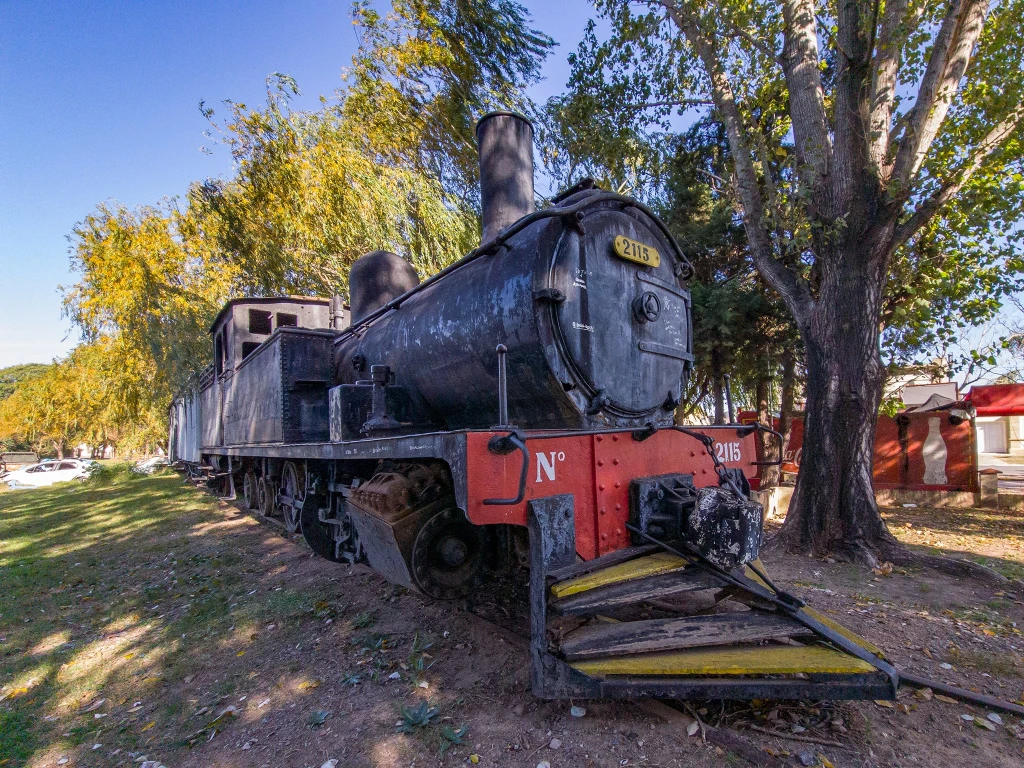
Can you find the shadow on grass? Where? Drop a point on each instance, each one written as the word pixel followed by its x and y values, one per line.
pixel 970 521
pixel 113 589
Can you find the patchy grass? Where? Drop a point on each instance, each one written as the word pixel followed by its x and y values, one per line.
pixel 114 593
pixel 993 663
pixel 147 618
pixel 74 621
pixel 990 537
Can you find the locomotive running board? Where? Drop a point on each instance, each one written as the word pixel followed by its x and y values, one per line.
pixel 724 655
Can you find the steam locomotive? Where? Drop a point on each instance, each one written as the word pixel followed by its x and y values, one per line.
pixel 518 407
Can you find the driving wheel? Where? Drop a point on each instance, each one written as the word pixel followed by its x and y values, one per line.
pixel 448 555
pixel 293 491
pixel 265 495
pixel 250 492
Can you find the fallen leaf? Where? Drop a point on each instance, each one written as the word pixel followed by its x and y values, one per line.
pixel 240 653
pixel 147 726
pixel 692 728
pixel 884 703
pixel 984 724
pixel 923 694
pixel 95 705
pixel 947 699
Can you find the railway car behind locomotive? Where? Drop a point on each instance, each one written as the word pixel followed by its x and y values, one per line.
pixel 518 408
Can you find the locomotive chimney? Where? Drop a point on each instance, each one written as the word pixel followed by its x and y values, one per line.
pixel 505 144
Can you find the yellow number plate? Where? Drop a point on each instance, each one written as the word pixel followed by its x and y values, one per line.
pixel 638 252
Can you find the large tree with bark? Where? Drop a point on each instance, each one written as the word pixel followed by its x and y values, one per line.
pixel 895 111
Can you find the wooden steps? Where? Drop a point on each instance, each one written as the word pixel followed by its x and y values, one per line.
pixel 685 652
pixel 677 633
pixel 612 558
pixel 633 591
pixel 660 562
pixel 739 660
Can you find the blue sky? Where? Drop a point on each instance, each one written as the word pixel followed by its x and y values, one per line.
pixel 99 101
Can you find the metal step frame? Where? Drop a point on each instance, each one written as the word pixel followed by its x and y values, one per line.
pixel 551 524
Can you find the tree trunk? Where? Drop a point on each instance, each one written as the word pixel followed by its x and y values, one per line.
pixel 833 508
pixel 59 447
pixel 767 444
pixel 787 399
pixel 717 386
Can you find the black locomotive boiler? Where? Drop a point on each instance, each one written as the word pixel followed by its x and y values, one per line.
pixel 519 408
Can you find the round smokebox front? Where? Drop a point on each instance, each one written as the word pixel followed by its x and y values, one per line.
pixel 623 328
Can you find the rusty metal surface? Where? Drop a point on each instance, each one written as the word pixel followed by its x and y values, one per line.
pixel 572 363
pixel 449 447
pixel 505 145
pixel 279 392
pixel 375 279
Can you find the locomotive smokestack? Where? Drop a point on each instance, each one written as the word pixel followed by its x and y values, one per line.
pixel 505 143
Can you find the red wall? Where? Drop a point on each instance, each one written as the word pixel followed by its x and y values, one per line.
pixel 900 452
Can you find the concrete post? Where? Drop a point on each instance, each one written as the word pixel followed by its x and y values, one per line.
pixel 988 485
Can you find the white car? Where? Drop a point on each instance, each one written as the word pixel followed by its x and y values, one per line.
pixel 48 473
pixel 151 465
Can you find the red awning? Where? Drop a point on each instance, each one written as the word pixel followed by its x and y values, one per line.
pixel 997 399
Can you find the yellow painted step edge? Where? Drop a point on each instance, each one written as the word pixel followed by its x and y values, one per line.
pixel 651 565
pixel 749 572
pixel 849 634
pixel 751 660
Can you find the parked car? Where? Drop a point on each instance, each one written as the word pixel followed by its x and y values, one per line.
pixel 11 461
pixel 150 465
pixel 49 472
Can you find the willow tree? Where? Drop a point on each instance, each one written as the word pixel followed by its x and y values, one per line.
pixel 384 163
pixel 894 110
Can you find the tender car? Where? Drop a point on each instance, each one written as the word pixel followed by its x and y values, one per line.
pixel 150 465
pixel 49 472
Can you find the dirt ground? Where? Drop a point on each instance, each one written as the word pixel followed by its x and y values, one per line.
pixel 188 633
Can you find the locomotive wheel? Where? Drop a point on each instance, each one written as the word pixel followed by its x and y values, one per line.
pixel 250 490
pixel 448 555
pixel 319 536
pixel 265 497
pixel 293 486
